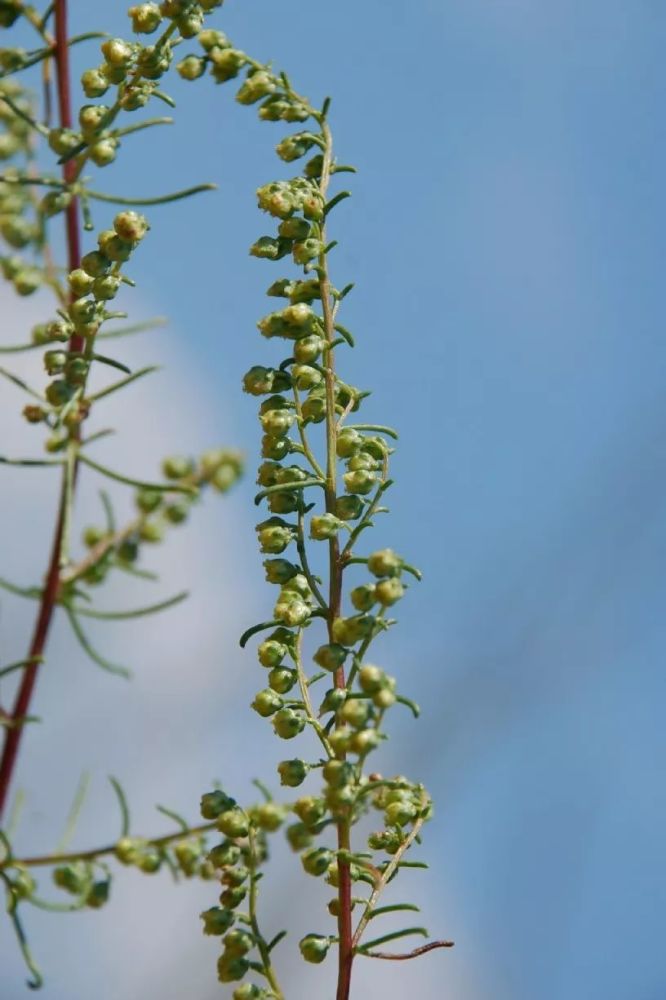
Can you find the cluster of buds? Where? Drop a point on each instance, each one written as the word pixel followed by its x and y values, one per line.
pixel 19 227
pixel 219 468
pixel 235 862
pixel 78 879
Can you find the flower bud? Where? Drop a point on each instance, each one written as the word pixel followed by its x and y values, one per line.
pixel 360 481
pixel 310 810
pixel 384 562
pixel 190 24
pixel 224 854
pixel 299 836
pixel 59 392
pixel 292 613
pixel 106 287
pixel 308 349
pixel 282 680
pixel 348 443
pixel 231 968
pixel 271 653
pixel 117 52
pixel 306 250
pixel 274 535
pixel 314 948
pixel 27 280
pixel 233 897
pixel 98 894
pixel 34 414
pixel 279 571
pixel 259 84
pixel 146 18
pixel 216 920
pixel 293 772
pixel 238 942
pixel 177 467
pixel 148 500
pixel 72 878
pixel 316 860
pixel 213 804
pixel 113 247
pixel 349 631
pixel 385 840
pixel 63 140
pixel 277 423
pixel 227 63
pixel 54 362
pixel 209 38
pixel 275 448
pixel 389 591
pixel 287 723
pixel 338 773
pixel 371 678
pixel 333 700
pixel 266 703
pixel 363 597
pixel 91 116
pixel 249 991
pixel 330 656
pixel 356 712
pixel 294 228
pixel 365 741
pixel 258 380
pixel 340 739
pixel 314 167
pixel 130 226
pixel 269 816
pixel 233 823
pixel 76 370
pixel 95 264
pixel 400 813
pixel 104 152
pixel 324 526
pixel 306 377
pixel 80 282
pixel 292 147
pixel 128 850
pixel 339 800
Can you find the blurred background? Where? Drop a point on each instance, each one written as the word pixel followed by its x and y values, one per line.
pixel 506 237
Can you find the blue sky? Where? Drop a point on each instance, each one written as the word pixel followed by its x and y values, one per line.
pixel 506 238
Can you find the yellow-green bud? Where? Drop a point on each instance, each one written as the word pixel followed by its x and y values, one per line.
pixel 314 948
pixel 384 562
pixel 293 772
pixel 216 920
pixel 287 723
pixel 316 860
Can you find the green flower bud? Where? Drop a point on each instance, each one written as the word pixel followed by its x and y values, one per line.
pixel 365 741
pixel 148 500
pixel 294 146
pixel 213 804
pixel 306 377
pixel 231 968
pixel 233 823
pixel 308 349
pixel 27 280
pixel 338 773
pixel 248 991
pixel 63 140
pixel 287 723
pixel 177 512
pixel 400 813
pixel 91 117
pixel 54 202
pixel 310 810
pixel 80 282
pixel 104 152
pixel 76 370
pixel 384 562
pixel 324 526
pixel 360 481
pixel 314 407
pixel 313 206
pixel 275 448
pixel 113 247
pixel 258 380
pixel 128 551
pixel 34 414
pixel 269 816
pixel 295 112
pixel 211 38
pixel 146 18
pixel 17 231
pixel 292 613
pixel 333 700
pixel 293 772
pixel 356 712
pixel 314 167
pixel 177 467
pixel 95 264
pixel 273 109
pixel 316 860
pixel 279 570
pixel 371 678
pixel 59 392
pixel 363 597
pixel 149 862
pixel 384 699
pixel 306 250
pixel 389 591
pixel 259 84
pixel 191 24
pixel 266 703
pixel 151 531
pixel 294 229
pixel 314 948
pixel 385 840
pixel 348 443
pixel 340 739
pixel 216 920
pixel 282 680
pixel 233 897
pixel 54 362
pixel 130 226
pixel 224 854
pixel 330 656
pixel 83 311
pixel 299 836
pixel 98 895
pixel 128 850
pixel 339 800
pixel 283 502
pixel 188 855
pixel 277 423
pixel 349 631
pixel 238 942
pixel 227 63
pixel 271 653
pixel 72 878
pixel 117 52
pixel 362 461
pixel 274 535
pixel 191 67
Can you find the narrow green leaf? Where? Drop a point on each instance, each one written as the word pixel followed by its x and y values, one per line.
pixel 151 609
pixel 148 370
pixel 128 331
pixel 32 592
pixel 124 808
pixel 344 332
pixel 84 642
pixel 276 940
pixel 416 711
pixel 288 488
pixel 176 817
pixel 20 665
pixel 394 908
pixel 12 910
pixel 74 812
pixel 138 483
pixel 253 631
pixel 158 200
pixel 102 358
pixel 21 384
pixel 407 932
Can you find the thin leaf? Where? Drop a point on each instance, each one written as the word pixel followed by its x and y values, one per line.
pixel 33 463
pixel 416 711
pixel 150 609
pixel 123 382
pixel 288 488
pixel 124 808
pixel 31 592
pixel 176 817
pixel 112 668
pixel 394 908
pixel 276 940
pixel 128 331
pixel 138 483
pixel 421 931
pixel 12 910
pixel 108 512
pixel 344 332
pixel 158 200
pixel 20 664
pixel 380 428
pixel 102 358
pixel 21 384
pixel 74 812
pixel 253 631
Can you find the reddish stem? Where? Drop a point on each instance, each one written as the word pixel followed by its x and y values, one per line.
pixel 52 584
